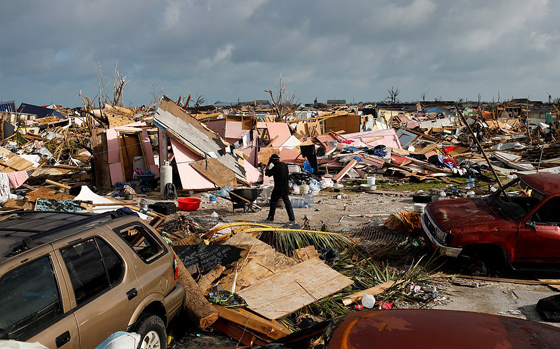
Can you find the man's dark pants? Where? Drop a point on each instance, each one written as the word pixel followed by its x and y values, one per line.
pixel 273 202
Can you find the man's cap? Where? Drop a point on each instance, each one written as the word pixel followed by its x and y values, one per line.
pixel 274 157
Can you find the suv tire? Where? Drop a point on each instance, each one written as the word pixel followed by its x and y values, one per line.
pixel 152 331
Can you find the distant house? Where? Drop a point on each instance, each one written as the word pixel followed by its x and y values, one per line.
pixel 41 112
pixel 9 107
pixel 336 102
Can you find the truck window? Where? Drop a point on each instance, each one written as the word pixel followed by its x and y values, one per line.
pixel 30 299
pixel 548 213
pixel 146 246
pixel 94 267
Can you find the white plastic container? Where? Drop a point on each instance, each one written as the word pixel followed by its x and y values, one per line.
pixel 166 176
pixel 370 181
pixel 304 189
pixel 419 207
pixel 368 301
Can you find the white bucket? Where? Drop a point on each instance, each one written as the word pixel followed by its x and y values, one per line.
pixel 370 181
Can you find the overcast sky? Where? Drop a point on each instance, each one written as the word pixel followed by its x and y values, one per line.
pixel 228 50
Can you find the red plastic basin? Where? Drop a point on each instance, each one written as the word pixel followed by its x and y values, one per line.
pixel 188 204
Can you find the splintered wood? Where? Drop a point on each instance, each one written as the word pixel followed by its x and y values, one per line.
pixel 293 288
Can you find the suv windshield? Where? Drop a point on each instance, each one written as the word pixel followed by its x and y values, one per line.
pixel 522 199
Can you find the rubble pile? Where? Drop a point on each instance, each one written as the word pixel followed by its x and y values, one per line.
pixel 256 282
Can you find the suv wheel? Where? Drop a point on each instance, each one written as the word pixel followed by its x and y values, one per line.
pixel 152 331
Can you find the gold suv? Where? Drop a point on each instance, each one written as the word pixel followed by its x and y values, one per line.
pixel 69 280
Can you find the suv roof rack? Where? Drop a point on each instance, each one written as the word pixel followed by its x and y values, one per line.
pixel 35 234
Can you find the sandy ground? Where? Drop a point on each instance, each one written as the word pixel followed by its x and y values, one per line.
pixel 337 210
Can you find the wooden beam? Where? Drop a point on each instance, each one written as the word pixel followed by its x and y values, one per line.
pixel 244 318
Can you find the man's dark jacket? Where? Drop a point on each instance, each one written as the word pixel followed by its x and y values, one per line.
pixel 280 174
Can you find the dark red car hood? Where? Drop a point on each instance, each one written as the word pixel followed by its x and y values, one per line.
pixel 439 329
pixel 448 214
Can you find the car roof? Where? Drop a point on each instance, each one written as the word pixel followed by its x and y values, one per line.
pixel 23 230
pixel 546 183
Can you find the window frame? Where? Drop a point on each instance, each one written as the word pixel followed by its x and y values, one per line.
pixel 50 256
pixel 106 289
pixel 118 230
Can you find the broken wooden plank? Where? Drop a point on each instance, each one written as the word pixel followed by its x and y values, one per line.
pixel 215 171
pixel 356 297
pixel 293 288
pixel 244 318
pixel 306 253
pixel 241 334
pixel 345 170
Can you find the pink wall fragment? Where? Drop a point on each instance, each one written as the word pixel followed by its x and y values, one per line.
pixel 190 178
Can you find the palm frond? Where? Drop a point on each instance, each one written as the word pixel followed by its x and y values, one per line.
pixel 287 240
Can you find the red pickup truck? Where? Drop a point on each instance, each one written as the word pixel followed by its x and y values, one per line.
pixel 517 227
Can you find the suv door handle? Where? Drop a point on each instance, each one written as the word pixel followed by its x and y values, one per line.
pixel 132 293
pixel 62 339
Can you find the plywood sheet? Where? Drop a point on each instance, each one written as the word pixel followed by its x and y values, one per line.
pixel 112 146
pixel 253 174
pixel 116 173
pixel 266 152
pixel 293 288
pixel 261 261
pixel 11 162
pixel 215 171
pixel 47 193
pixel 277 131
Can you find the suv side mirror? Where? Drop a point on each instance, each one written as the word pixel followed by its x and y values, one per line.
pixel 532 225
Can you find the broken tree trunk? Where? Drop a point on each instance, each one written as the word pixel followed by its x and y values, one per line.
pixel 198 309
pixel 207 279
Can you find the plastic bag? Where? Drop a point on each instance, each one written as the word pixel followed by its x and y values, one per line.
pixel 326 183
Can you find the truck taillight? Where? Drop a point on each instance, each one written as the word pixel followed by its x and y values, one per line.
pixel 175 268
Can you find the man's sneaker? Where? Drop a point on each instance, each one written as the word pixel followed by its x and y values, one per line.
pixel 268 219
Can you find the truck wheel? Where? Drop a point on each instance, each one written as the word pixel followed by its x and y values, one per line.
pixel 477 268
pixel 152 331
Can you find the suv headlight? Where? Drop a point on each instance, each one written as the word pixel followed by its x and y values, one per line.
pixel 440 235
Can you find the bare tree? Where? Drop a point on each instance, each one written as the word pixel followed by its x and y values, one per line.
pixel 119 82
pixel 283 104
pixel 393 94
pixel 423 94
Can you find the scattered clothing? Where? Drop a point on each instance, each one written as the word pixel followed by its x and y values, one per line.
pixel 17 178
pixel 4 187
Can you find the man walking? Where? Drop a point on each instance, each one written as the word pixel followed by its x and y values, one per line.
pixel 279 171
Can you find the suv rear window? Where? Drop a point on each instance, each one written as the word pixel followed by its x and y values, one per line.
pixel 30 299
pixel 94 267
pixel 146 246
